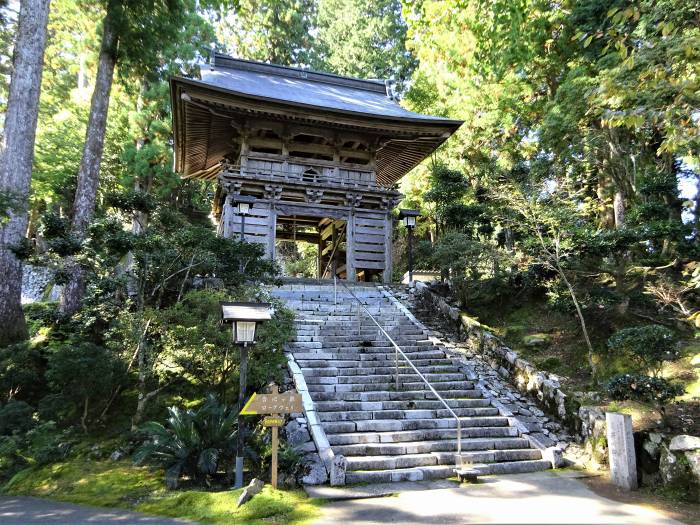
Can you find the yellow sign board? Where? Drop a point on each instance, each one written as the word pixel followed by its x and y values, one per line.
pixel 273 421
pixel 273 403
pixel 284 403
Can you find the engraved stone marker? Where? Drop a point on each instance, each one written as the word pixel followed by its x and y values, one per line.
pixel 623 464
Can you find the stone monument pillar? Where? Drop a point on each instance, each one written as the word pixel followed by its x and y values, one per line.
pixel 623 463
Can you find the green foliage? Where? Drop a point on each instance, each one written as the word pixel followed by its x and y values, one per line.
pixel 363 38
pixel 87 482
pixel 21 372
pixel 83 375
pixel 121 484
pixel 187 342
pixel 290 461
pixel 648 345
pixel 194 443
pixel 32 444
pixel 16 417
pixel 292 507
pixel 656 390
pixel 277 31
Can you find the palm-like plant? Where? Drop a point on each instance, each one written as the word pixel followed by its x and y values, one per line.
pixel 192 442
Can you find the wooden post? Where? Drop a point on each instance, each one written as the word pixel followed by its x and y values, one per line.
pixel 334 250
pixel 350 243
pixel 275 444
pixel 388 237
pixel 240 444
pixel 272 232
pixel 319 259
pixel 274 389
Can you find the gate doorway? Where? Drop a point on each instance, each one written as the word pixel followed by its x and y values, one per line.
pixel 315 247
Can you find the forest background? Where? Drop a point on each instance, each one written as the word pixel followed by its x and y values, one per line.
pixel 564 210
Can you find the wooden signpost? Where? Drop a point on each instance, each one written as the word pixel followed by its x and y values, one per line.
pixel 273 404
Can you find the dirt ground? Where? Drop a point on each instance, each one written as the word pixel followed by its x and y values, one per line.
pixel 681 511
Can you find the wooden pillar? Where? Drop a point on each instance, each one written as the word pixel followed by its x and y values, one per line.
pixel 334 249
pixel 226 213
pixel 350 252
pixel 388 236
pixel 272 232
pixel 319 259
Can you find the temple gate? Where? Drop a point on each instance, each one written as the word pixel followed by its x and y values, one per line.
pixel 320 153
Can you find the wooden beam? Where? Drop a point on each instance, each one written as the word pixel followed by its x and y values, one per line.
pixel 290 236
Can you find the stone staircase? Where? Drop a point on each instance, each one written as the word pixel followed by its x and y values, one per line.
pixel 384 433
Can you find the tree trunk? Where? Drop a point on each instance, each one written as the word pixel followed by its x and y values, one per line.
pixel 619 209
pixel 88 174
pixel 582 320
pixel 17 155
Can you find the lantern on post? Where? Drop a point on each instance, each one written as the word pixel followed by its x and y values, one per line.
pixel 409 221
pixel 241 206
pixel 244 319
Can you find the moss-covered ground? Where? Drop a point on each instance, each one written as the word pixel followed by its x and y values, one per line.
pixel 121 484
pixel 551 340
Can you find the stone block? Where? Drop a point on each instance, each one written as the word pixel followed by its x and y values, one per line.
pixel 254 487
pixel 622 459
pixel 317 474
pixel 684 442
pixel 338 470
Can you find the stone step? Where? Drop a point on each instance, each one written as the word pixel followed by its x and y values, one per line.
pixel 329 370
pixel 393 425
pixel 355 415
pixel 396 475
pixel 422 447
pixel 324 395
pixel 352 364
pixel 369 356
pixel 380 345
pixel 445 388
pixel 420 404
pixel 386 435
pixel 406 379
pixel 440 472
pixel 351 438
pixel 356 351
pixel 440 458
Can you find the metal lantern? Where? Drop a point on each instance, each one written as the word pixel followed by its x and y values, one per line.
pixel 409 217
pixel 409 220
pixel 244 318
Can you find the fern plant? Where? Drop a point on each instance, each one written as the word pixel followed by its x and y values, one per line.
pixel 194 443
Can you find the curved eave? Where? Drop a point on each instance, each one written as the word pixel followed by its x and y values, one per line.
pixel 206 144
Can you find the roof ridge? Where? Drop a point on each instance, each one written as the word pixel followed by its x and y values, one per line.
pixel 228 62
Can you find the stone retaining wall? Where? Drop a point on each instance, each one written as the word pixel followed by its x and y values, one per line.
pixel 521 373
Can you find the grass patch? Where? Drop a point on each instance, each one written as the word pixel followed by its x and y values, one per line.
pixel 270 506
pixel 121 484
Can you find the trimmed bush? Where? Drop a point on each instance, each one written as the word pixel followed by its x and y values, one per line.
pixel 649 346
pixel 637 387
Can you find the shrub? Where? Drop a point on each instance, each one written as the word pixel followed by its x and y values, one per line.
pixel 11 459
pixel 46 444
pixel 637 387
pixel 648 345
pixel 196 443
pixel 21 372
pixel 16 417
pixel 84 375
